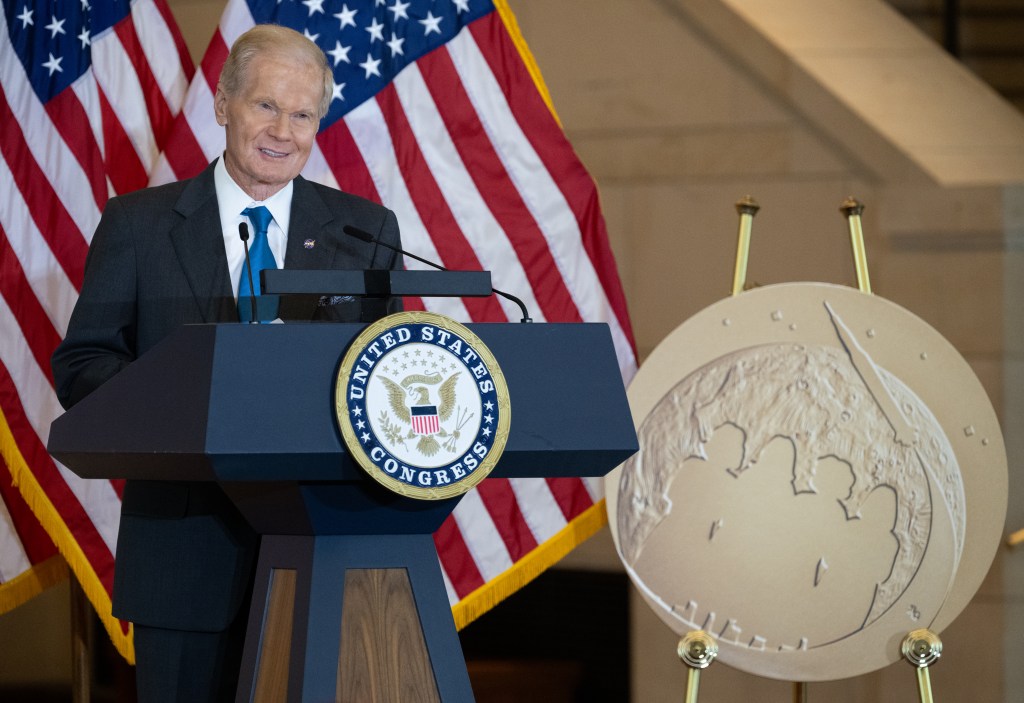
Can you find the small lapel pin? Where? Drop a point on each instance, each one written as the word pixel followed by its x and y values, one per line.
pixel 309 243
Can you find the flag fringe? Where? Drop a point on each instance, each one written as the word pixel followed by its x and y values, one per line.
pixel 33 581
pixel 512 26
pixel 576 532
pixel 54 524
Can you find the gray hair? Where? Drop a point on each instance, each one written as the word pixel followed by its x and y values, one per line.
pixel 272 38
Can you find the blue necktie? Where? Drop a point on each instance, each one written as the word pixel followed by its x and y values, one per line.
pixel 261 258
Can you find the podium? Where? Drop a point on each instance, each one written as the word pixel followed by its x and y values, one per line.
pixel 349 602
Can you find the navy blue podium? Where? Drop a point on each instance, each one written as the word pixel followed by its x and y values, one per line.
pixel 349 602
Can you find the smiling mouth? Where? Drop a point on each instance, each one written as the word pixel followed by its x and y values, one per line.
pixel 272 153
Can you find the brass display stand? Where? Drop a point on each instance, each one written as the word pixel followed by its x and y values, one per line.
pixel 747 207
pixel 921 648
pixel 697 650
pixel 852 209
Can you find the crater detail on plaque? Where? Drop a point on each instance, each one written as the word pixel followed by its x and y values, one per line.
pixel 820 434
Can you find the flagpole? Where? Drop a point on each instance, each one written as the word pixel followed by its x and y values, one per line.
pixel 81 649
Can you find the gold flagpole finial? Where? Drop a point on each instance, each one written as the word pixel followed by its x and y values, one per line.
pixel 852 209
pixel 747 207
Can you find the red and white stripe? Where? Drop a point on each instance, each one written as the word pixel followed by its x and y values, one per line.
pixel 425 424
pixel 61 162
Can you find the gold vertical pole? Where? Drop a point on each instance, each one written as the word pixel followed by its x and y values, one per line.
pixel 924 685
pixel 852 209
pixel 692 685
pixel 697 650
pixel 747 207
pixel 922 648
pixel 799 692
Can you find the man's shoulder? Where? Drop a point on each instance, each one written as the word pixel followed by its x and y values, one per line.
pixel 335 198
pixel 199 188
pixel 161 194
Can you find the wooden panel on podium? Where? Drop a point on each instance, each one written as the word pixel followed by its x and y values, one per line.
pixel 276 640
pixel 383 654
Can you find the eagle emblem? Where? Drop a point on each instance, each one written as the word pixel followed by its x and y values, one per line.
pixel 422 405
pixel 417 403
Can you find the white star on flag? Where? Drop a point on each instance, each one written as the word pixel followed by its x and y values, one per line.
pixel 56 26
pixel 314 6
pixel 53 64
pixel 339 53
pixel 346 18
pixel 396 45
pixel 372 68
pixel 431 23
pixel 400 10
pixel 376 30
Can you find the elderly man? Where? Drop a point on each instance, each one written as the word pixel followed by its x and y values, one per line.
pixel 169 256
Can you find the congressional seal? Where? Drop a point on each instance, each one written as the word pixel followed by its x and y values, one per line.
pixel 422 405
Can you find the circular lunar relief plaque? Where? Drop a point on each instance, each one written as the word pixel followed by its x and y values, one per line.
pixel 820 473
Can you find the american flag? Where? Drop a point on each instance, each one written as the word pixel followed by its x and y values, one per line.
pixel 439 113
pixel 89 90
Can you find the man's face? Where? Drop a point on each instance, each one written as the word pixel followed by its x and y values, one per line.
pixel 270 123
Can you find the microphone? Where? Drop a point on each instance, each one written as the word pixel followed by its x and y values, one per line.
pixel 364 236
pixel 243 234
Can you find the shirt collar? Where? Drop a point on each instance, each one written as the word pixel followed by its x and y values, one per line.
pixel 233 199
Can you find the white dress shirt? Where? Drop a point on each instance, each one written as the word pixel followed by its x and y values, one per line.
pixel 231 200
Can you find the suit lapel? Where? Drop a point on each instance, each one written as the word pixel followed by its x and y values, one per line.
pixel 311 244
pixel 199 244
pixel 310 241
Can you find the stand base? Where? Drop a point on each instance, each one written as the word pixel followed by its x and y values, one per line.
pixel 351 619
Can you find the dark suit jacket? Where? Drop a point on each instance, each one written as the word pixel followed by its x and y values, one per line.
pixel 157 261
